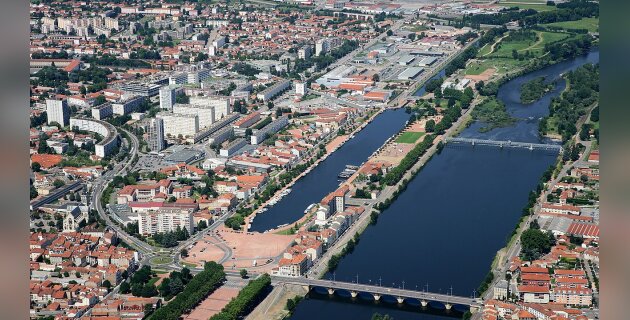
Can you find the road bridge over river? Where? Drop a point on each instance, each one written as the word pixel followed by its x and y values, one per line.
pixel 507 144
pixel 378 291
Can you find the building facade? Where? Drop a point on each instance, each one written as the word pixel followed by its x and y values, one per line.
pixel 156 134
pixel 58 111
pixel 165 220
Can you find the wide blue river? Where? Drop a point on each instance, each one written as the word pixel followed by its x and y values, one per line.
pixel 444 230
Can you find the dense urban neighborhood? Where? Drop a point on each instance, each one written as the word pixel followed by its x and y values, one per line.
pixel 221 159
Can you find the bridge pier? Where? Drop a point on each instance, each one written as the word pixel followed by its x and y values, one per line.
pixel 331 291
pixel 474 309
pixel 448 306
pixel 424 303
pixel 354 294
pixel 400 300
pixel 377 297
pixel 307 288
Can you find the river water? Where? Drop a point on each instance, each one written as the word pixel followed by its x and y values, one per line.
pixel 444 230
pixel 322 180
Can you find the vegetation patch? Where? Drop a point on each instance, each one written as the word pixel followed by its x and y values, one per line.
pixel 533 90
pixel 246 300
pixel 198 288
pixel 161 260
pixel 493 113
pixel 589 24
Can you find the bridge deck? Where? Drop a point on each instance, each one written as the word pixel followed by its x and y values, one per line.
pixel 374 289
pixel 512 144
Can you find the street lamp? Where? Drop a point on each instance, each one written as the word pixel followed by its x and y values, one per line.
pixel 403 284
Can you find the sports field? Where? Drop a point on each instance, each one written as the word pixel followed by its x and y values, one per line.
pixel 409 137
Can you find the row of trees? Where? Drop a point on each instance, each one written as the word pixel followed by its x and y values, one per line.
pixel 568 11
pixel 111 61
pixel 198 288
pixel 460 61
pixel 246 299
pixel 171 238
pixel 175 283
pixel 395 174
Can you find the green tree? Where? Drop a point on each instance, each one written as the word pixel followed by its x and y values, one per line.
pixel 149 291
pixel 176 286
pixel 125 288
pixel 430 126
pixel 36 167
pixel 535 243
pixel 243 273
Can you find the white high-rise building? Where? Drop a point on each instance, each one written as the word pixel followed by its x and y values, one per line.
pixel 179 124
pixel 221 106
pixel 58 111
pixel 205 113
pixel 165 220
pixel 156 134
pixel 300 88
pixel 168 96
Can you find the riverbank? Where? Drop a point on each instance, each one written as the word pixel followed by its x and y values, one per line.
pixel 333 145
pixel 387 195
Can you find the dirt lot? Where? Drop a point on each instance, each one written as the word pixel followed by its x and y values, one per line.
pixel 246 247
pixel 213 304
pixel 484 76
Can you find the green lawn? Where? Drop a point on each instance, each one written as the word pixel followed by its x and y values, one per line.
pixel 161 260
pixel 591 24
pixel 415 28
pixel 485 49
pixel 409 137
pixel 504 49
pixel 152 281
pixel 477 67
pixel 189 265
pixel 544 38
pixel 502 65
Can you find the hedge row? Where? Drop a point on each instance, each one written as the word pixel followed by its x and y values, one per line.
pixel 246 300
pixel 198 288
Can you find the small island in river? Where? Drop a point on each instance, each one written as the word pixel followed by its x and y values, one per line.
pixel 533 90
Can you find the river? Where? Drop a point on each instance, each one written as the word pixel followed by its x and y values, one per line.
pixel 446 227
pixel 322 180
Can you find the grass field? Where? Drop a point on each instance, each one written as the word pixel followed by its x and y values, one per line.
pixel 485 49
pixel 502 65
pixel 591 24
pixel 189 265
pixel 477 67
pixel 161 260
pixel 504 49
pixel 415 28
pixel 409 137
pixel 546 37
